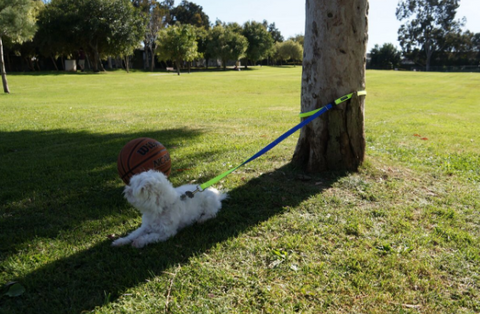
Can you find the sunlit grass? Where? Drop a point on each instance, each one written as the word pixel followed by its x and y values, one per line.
pixel 401 235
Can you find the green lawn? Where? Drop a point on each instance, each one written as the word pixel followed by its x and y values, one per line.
pixel 400 236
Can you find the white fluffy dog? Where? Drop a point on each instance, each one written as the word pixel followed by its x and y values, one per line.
pixel 164 211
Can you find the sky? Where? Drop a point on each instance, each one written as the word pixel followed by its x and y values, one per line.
pixel 289 16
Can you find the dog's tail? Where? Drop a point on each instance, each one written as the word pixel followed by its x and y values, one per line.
pixel 223 195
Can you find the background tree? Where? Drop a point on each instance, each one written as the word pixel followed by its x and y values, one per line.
pixel 127 31
pixel 333 68
pixel 156 16
pixel 476 47
pixel 177 43
pixel 428 23
pixel 299 38
pixel 274 31
pixel 385 57
pixel 203 38
pixel 234 27
pixel 226 44
pixel 289 50
pixel 17 23
pixel 58 32
pixel 460 49
pixel 190 13
pixel 113 27
pixel 260 42
pixel 50 37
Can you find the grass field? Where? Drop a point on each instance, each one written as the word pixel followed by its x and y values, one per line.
pixel 400 236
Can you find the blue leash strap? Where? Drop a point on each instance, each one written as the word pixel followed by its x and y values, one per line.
pixel 310 116
pixel 288 133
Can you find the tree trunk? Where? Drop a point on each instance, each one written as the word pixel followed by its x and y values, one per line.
pixel 224 64
pixel 428 52
pixel 100 63
pixel 152 62
pixel 2 68
pixel 29 63
pixel 96 58
pixel 87 58
pixel 127 66
pixel 178 66
pixel 333 66
pixel 54 62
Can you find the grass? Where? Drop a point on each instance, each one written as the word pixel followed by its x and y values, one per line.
pixel 400 236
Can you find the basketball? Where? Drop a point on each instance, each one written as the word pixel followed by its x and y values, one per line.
pixel 142 154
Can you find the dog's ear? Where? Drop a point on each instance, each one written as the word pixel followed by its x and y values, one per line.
pixel 127 191
pixel 146 188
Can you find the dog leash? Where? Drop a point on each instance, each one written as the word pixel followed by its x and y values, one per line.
pixel 310 116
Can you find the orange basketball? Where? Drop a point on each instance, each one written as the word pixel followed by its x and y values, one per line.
pixel 142 154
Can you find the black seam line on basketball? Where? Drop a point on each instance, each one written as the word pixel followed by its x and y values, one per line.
pixel 131 170
pixel 143 161
pixel 131 153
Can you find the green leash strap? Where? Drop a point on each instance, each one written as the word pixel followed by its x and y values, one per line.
pixel 337 102
pixel 218 178
pixel 311 115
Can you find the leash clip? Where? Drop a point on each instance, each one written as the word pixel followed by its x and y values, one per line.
pixel 191 194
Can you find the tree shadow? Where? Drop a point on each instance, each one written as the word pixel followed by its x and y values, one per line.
pixel 54 180
pixel 101 273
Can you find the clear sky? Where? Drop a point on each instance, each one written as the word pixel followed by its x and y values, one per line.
pixel 289 16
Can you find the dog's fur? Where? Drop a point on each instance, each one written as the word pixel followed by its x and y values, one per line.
pixel 163 210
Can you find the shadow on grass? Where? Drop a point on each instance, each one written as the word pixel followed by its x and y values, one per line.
pixel 54 180
pixel 101 273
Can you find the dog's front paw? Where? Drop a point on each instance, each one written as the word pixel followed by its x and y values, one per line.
pixel 120 242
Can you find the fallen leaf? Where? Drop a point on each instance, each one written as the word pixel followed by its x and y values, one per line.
pixel 417 135
pixel 412 306
pixel 424 139
pixel 15 290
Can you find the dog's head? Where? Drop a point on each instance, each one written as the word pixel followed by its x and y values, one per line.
pixel 150 191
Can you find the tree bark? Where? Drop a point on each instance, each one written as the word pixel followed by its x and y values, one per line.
pixel 333 65
pixel 2 68
pixel 54 62
pixel 152 61
pixel 127 65
pixel 178 65
pixel 428 53
pixel 97 63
